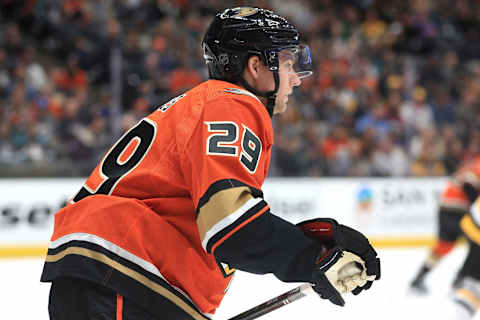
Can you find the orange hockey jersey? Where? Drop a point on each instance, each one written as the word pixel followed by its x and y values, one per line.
pixel 176 204
pixel 454 196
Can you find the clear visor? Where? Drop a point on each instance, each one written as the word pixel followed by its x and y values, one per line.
pixel 295 60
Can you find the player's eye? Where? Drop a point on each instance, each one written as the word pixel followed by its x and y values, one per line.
pixel 289 66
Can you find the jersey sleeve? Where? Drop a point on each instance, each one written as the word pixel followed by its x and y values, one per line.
pixel 228 165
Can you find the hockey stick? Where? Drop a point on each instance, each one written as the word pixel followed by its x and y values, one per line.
pixel 275 303
pixel 293 295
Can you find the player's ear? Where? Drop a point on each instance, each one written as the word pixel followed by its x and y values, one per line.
pixel 253 66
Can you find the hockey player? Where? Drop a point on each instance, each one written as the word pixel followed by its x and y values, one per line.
pixel 466 298
pixel 456 200
pixel 175 206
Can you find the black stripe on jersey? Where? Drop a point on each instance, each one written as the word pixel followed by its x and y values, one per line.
pixel 127 263
pixel 222 185
pixel 76 265
pixel 250 212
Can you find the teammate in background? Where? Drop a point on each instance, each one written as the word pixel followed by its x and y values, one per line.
pixel 455 201
pixel 466 298
pixel 175 206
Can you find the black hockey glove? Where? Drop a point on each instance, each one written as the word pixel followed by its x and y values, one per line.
pixel 337 238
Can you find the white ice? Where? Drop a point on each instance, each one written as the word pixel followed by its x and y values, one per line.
pixel 22 296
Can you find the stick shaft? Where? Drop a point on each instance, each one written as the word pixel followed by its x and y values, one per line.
pixel 273 304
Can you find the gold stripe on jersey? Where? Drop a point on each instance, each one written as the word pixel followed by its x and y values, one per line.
pixel 128 272
pixel 472 231
pixel 220 206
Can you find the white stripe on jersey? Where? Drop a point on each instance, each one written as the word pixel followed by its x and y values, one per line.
pixel 228 220
pixel 475 212
pixel 87 237
pixel 242 92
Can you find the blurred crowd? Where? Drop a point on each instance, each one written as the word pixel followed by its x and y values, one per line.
pixel 395 92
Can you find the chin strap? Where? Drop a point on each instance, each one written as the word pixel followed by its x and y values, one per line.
pixel 270 95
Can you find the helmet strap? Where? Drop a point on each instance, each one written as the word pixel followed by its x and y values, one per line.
pixel 270 95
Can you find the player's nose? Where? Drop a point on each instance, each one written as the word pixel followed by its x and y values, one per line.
pixel 295 80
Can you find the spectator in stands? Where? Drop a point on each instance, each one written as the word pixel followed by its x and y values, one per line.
pixel 360 159
pixel 71 77
pixel 454 149
pixel 416 114
pixel 443 108
pixel 426 164
pixel 375 118
pixel 184 76
pixel 389 159
pixel 428 137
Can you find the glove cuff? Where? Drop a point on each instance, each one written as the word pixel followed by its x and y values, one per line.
pixel 319 229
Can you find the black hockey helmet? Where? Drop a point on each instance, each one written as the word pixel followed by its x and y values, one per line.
pixel 238 33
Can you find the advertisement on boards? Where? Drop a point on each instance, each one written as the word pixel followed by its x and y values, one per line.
pixel 27 207
pixel 381 208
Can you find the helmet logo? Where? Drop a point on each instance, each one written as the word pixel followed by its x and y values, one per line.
pixel 272 56
pixel 241 12
pixel 223 59
pixel 272 23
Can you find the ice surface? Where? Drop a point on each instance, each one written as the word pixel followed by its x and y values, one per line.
pixel 22 296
